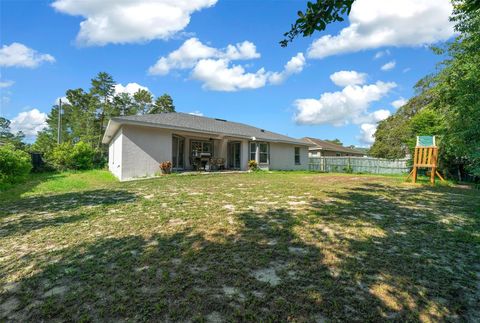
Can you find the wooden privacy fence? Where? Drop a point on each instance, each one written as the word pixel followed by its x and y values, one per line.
pixel 358 165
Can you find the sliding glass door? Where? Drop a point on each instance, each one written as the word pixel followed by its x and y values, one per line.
pixel 233 155
pixel 178 152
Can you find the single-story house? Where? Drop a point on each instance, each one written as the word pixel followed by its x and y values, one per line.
pixel 326 148
pixel 138 144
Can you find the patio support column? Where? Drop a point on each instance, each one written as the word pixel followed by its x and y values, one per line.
pixel 257 153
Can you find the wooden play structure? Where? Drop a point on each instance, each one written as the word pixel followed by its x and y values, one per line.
pixel 426 156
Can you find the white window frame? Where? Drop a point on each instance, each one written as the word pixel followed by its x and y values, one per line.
pixel 253 152
pixel 295 155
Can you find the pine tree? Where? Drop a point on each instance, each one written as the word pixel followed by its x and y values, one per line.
pixel 163 104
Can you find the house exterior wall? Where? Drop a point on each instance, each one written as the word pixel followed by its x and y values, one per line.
pixel 115 155
pixel 282 157
pixel 137 151
pixel 144 148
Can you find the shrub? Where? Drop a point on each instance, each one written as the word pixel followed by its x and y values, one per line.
pixel 252 165
pixel 68 156
pixel 15 164
pixel 61 156
pixel 348 169
pixel 82 156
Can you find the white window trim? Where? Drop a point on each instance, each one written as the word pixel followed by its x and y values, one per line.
pixel 250 152
pixel 295 156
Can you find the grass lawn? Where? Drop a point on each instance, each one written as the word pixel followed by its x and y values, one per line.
pixel 238 247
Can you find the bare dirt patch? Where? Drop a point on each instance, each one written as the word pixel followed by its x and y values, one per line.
pixel 267 275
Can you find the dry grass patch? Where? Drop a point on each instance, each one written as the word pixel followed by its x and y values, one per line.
pixel 263 246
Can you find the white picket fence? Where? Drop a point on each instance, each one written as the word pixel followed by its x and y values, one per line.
pixel 358 165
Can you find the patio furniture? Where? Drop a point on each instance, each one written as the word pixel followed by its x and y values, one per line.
pixel 217 163
pixel 200 160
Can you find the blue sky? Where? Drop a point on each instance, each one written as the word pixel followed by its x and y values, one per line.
pixel 299 100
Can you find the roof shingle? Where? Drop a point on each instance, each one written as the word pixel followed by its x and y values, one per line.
pixel 208 125
pixel 326 145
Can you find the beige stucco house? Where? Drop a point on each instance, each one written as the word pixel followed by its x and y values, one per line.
pixel 138 144
pixel 323 148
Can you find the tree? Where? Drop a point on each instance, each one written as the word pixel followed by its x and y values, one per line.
pixel 124 105
pixel 82 121
pixel 103 86
pixel 335 141
pixel 15 164
pixel 316 18
pixel 319 14
pixel 394 132
pixel 163 104
pixel 143 100
pixel 85 115
pixel 447 103
pixel 456 91
pixel 7 137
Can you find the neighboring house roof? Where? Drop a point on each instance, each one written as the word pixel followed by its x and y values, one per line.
pixel 187 122
pixel 330 146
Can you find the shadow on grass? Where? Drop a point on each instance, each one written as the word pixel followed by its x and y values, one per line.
pixel 12 192
pixel 425 263
pixel 37 212
pixel 262 272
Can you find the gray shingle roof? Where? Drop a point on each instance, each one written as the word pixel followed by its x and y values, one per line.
pixel 325 145
pixel 186 121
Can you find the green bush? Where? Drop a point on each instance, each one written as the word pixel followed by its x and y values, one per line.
pixel 61 156
pixel 252 165
pixel 15 164
pixel 82 156
pixel 68 156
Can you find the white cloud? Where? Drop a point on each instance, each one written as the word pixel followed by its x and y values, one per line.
pixel 344 78
pixel 217 75
pixel 130 88
pixel 214 67
pixel 294 66
pixel 367 132
pixel 373 117
pixel 400 23
pixel 196 113
pixel 130 21
pixel 245 50
pixel 193 50
pixel 381 53
pixel 349 105
pixel 19 55
pixel 399 103
pixel 369 124
pixel 388 66
pixel 5 84
pixel 64 100
pixel 29 122
pixel 380 115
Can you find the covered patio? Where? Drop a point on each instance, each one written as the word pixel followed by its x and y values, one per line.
pixel 207 152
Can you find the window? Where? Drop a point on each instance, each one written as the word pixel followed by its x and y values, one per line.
pixel 201 147
pixel 264 151
pixel 297 155
pixel 252 150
